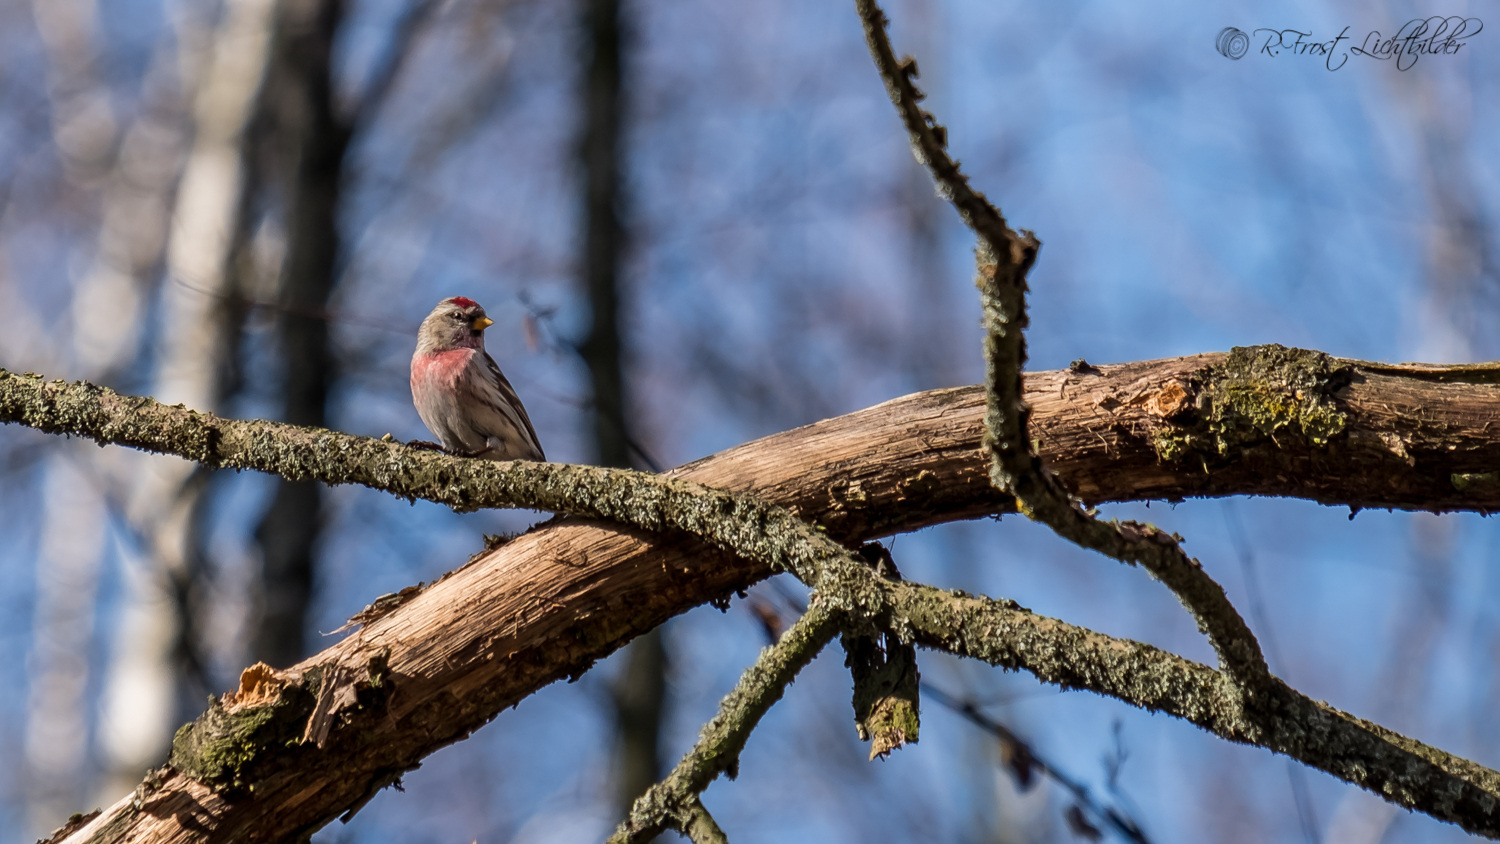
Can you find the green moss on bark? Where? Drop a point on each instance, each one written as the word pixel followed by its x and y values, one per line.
pixel 231 751
pixel 1255 395
pixel 1474 481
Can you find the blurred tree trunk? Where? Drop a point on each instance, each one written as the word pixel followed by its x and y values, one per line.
pixel 305 141
pixel 74 542
pixel 604 233
pixel 640 691
pixel 156 676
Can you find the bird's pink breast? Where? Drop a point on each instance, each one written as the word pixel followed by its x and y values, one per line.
pixel 440 367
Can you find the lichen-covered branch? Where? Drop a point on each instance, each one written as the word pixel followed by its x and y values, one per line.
pixel 673 803
pixel 1016 467
pixel 1401 770
pixel 740 524
pixel 1002 633
pixel 700 827
pixel 1005 257
pixel 929 140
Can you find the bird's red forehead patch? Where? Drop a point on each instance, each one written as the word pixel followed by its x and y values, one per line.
pixel 464 302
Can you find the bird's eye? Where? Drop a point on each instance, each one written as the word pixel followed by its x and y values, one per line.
pixel 458 315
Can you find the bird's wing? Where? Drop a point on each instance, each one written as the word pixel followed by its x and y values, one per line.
pixel 512 405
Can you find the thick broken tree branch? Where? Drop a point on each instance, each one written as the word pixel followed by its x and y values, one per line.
pixel 546 605
pixel 1373 436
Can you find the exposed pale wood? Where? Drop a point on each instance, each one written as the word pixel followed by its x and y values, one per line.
pixel 550 603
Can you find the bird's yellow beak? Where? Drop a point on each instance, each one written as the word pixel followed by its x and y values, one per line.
pixel 481 323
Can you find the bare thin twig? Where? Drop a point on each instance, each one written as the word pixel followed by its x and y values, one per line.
pixel 1295 775
pixel 673 802
pixel 1005 257
pixel 1116 819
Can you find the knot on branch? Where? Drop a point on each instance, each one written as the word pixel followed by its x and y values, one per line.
pixel 886 681
pixel 266 724
pixel 884 668
pixel 242 737
pixel 1138 532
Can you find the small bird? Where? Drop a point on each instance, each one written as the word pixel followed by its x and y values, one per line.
pixel 461 394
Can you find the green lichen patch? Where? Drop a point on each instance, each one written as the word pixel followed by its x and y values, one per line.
pixel 1174 444
pixel 1475 481
pixel 232 750
pixel 1256 394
